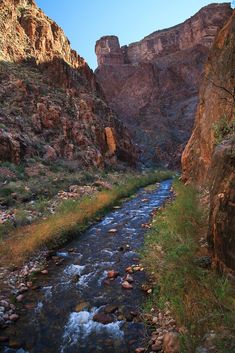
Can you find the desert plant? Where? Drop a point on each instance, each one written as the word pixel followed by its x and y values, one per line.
pixel 223 128
pixel 21 217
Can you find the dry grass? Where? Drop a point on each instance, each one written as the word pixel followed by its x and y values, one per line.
pixel 74 218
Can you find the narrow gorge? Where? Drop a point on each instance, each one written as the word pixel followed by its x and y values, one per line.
pixel 117 187
pixel 153 84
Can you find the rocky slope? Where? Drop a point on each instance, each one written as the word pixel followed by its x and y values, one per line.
pixel 153 84
pixel 50 104
pixel 209 157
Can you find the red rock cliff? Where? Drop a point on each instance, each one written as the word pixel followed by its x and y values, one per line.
pixel 50 103
pixel 209 157
pixel 153 84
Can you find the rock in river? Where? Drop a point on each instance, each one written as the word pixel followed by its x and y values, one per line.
pixel 103 318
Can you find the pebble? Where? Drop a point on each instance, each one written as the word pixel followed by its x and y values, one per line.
pixel 110 309
pixel 155 319
pixel 129 270
pixel 171 343
pixel 14 317
pixel 20 297
pixel 129 278
pixel 140 350
pixel 103 318
pixel 22 290
pixel 113 274
pixel 112 231
pixel 126 285
pixel 81 306
pixel 44 272
pixel 4 303
pixel 75 278
pixel 156 347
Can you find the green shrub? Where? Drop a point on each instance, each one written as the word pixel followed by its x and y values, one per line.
pixel 41 204
pixel 223 128
pixel 5 192
pixel 21 217
pixel 5 228
pixel 200 299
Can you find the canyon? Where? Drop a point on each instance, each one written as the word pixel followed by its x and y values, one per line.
pixel 77 144
pixel 209 157
pixel 153 84
pixel 51 106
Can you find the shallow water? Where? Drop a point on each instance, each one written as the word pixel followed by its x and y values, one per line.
pixel 54 326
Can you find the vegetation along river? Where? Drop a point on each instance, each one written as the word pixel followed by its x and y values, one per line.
pixel 78 308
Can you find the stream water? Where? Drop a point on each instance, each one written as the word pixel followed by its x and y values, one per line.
pixel 59 316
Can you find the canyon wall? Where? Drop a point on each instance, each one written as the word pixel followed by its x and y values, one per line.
pixel 153 84
pixel 51 106
pixel 209 157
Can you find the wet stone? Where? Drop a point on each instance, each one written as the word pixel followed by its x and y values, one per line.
pixel 81 306
pixel 110 309
pixel 126 285
pixel 15 344
pixel 129 278
pixel 75 278
pixel 113 274
pixel 103 318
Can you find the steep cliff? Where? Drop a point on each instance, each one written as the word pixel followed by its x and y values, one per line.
pixel 153 84
pixel 50 103
pixel 209 157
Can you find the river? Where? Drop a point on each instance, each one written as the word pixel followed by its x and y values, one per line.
pixel 60 316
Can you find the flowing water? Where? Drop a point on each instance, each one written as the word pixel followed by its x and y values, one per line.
pixel 53 323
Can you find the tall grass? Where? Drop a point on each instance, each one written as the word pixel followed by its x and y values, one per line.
pixel 200 299
pixel 72 218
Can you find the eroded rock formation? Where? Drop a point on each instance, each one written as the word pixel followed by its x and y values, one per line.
pixel 153 84
pixel 209 157
pixel 50 103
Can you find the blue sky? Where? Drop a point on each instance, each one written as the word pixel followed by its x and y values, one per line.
pixel 85 21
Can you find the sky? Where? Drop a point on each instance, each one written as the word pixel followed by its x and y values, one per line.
pixel 85 21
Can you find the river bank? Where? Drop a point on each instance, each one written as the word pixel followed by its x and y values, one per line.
pixel 30 285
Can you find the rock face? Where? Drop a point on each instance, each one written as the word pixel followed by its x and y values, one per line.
pixel 153 84
pixel 50 103
pixel 209 157
pixel 221 233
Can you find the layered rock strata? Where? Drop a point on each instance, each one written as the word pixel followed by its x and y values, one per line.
pixel 153 84
pixel 50 103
